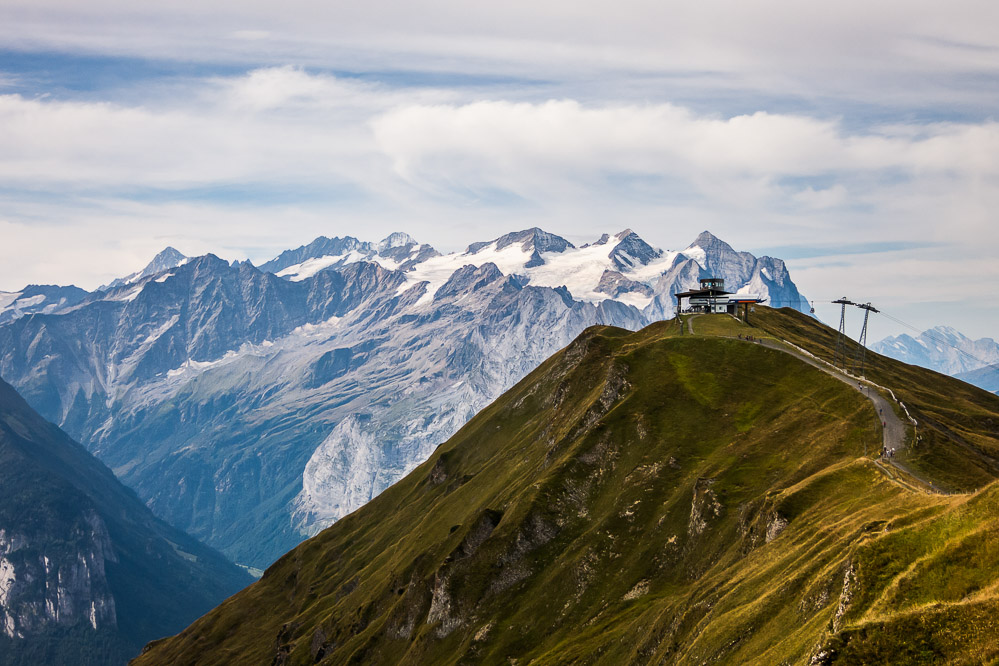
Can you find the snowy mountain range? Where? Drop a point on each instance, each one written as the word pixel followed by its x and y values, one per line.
pixel 254 406
pixel 941 348
pixel 622 267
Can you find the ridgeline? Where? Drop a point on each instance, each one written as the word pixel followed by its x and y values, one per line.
pixel 659 497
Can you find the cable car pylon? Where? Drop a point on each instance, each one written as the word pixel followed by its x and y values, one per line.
pixel 862 351
pixel 840 356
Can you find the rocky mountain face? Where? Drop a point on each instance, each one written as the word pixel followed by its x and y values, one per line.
pixel 941 348
pixel 87 573
pixel 254 407
pixel 654 498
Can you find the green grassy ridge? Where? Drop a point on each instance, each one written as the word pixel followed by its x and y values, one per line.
pixel 639 498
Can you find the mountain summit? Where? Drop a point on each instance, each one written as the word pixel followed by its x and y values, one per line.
pixel 166 259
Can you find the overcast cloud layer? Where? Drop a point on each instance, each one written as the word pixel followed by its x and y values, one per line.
pixel 858 142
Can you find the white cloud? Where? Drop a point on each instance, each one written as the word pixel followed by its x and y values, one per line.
pixel 435 154
pixel 283 127
pixel 500 137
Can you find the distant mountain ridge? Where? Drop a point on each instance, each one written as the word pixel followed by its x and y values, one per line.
pixel 941 348
pixel 986 378
pixel 272 401
pixel 38 299
pixel 399 251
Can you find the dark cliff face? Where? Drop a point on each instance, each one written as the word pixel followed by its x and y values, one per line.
pixel 87 573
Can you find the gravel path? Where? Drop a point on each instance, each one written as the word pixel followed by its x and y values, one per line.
pixel 893 428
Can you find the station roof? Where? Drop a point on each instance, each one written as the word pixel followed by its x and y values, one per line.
pixel 732 298
pixel 703 292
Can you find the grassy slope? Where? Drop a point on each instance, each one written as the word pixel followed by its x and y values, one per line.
pixel 638 498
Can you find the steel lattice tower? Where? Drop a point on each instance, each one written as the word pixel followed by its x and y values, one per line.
pixel 840 357
pixel 862 351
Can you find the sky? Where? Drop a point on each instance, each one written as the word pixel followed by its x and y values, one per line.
pixel 858 141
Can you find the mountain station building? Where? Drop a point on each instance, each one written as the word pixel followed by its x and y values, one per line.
pixel 712 298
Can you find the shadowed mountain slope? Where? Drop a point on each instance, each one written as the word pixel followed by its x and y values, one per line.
pixel 640 498
pixel 87 574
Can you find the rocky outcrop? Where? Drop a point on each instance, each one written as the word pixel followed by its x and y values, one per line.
pixel 614 284
pixel 704 507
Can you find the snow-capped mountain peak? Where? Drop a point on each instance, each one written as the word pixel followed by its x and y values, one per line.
pixel 621 267
pixel 708 241
pixel 533 240
pixel 631 251
pixel 950 333
pixel 398 251
pixel 166 259
pixel 396 239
